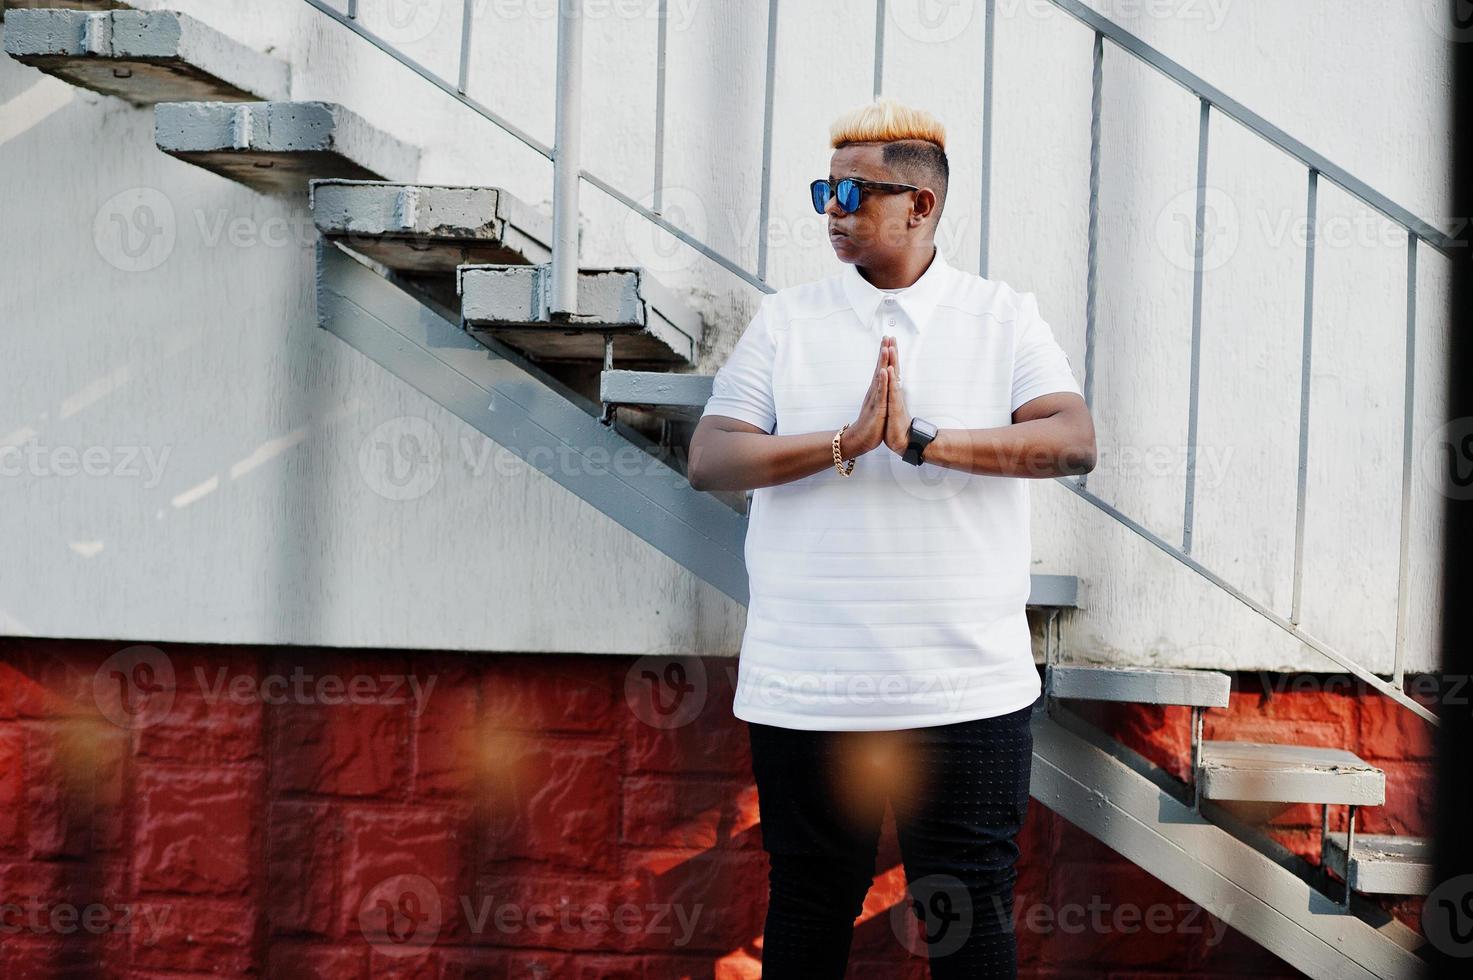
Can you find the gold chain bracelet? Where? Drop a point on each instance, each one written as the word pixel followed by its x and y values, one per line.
pixel 838 459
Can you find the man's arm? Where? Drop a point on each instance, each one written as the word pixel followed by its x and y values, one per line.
pixel 1051 435
pixel 729 454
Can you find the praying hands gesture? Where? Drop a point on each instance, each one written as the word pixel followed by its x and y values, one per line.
pixel 883 417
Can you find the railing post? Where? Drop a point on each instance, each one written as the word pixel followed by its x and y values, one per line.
pixel 1199 221
pixel 563 300
pixel 987 72
pixel 1304 393
pixel 467 18
pixel 1409 406
pixel 1092 260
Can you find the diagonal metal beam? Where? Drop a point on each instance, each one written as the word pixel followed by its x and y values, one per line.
pixel 514 408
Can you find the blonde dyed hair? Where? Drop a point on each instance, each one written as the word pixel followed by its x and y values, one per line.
pixel 886 121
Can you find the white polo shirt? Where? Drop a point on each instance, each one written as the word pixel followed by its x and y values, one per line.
pixel 894 597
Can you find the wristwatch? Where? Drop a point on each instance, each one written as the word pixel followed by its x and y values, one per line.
pixel 921 434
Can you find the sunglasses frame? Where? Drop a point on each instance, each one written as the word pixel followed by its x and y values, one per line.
pixel 861 185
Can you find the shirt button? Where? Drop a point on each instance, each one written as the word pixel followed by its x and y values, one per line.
pixel 891 321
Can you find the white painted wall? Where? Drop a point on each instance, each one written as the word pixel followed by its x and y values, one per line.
pixel 259 524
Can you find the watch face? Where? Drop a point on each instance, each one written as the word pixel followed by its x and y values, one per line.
pixel 924 428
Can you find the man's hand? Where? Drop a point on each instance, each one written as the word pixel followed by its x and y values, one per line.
pixel 897 416
pixel 868 431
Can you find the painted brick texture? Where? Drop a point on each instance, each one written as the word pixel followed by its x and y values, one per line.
pixel 185 811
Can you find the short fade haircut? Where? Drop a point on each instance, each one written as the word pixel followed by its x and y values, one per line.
pixel 914 141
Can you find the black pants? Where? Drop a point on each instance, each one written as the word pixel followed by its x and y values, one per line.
pixel 959 793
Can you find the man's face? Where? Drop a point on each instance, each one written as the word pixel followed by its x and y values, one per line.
pixel 882 225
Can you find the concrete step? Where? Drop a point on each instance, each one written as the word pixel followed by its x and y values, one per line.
pixel 664 393
pixel 650 324
pixel 1141 685
pixel 276 147
pixel 8 5
pixel 428 229
pixel 144 56
pixel 1383 864
pixel 1287 774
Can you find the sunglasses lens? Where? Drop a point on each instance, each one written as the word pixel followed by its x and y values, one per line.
pixel 848 194
pixel 820 191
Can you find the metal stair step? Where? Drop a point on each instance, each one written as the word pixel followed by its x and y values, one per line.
pixel 649 323
pixel 1276 773
pixel 1141 685
pixel 277 147
pixel 6 6
pixel 430 229
pixel 663 392
pixel 1384 864
pixel 144 56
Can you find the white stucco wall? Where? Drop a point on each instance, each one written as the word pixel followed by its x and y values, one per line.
pixel 258 524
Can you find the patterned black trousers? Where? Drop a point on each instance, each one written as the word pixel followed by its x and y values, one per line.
pixel 959 793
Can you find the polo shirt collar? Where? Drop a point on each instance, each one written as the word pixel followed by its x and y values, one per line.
pixel 917 300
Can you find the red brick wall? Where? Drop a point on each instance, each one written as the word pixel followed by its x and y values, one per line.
pixel 194 810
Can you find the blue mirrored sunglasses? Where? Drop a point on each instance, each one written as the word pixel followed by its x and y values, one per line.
pixel 849 192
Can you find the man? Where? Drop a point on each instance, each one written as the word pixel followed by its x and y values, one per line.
pixel 884 418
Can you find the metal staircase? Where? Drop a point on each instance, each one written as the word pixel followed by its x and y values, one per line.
pixel 451 290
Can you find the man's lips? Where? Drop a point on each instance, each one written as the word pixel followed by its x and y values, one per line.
pixel 836 233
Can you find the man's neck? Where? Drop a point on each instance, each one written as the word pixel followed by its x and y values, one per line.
pixel 908 266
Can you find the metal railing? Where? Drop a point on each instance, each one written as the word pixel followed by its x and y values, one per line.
pixel 1211 101
pixel 1318 167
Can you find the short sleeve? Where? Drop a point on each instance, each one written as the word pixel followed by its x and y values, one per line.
pixel 1040 366
pixel 742 388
